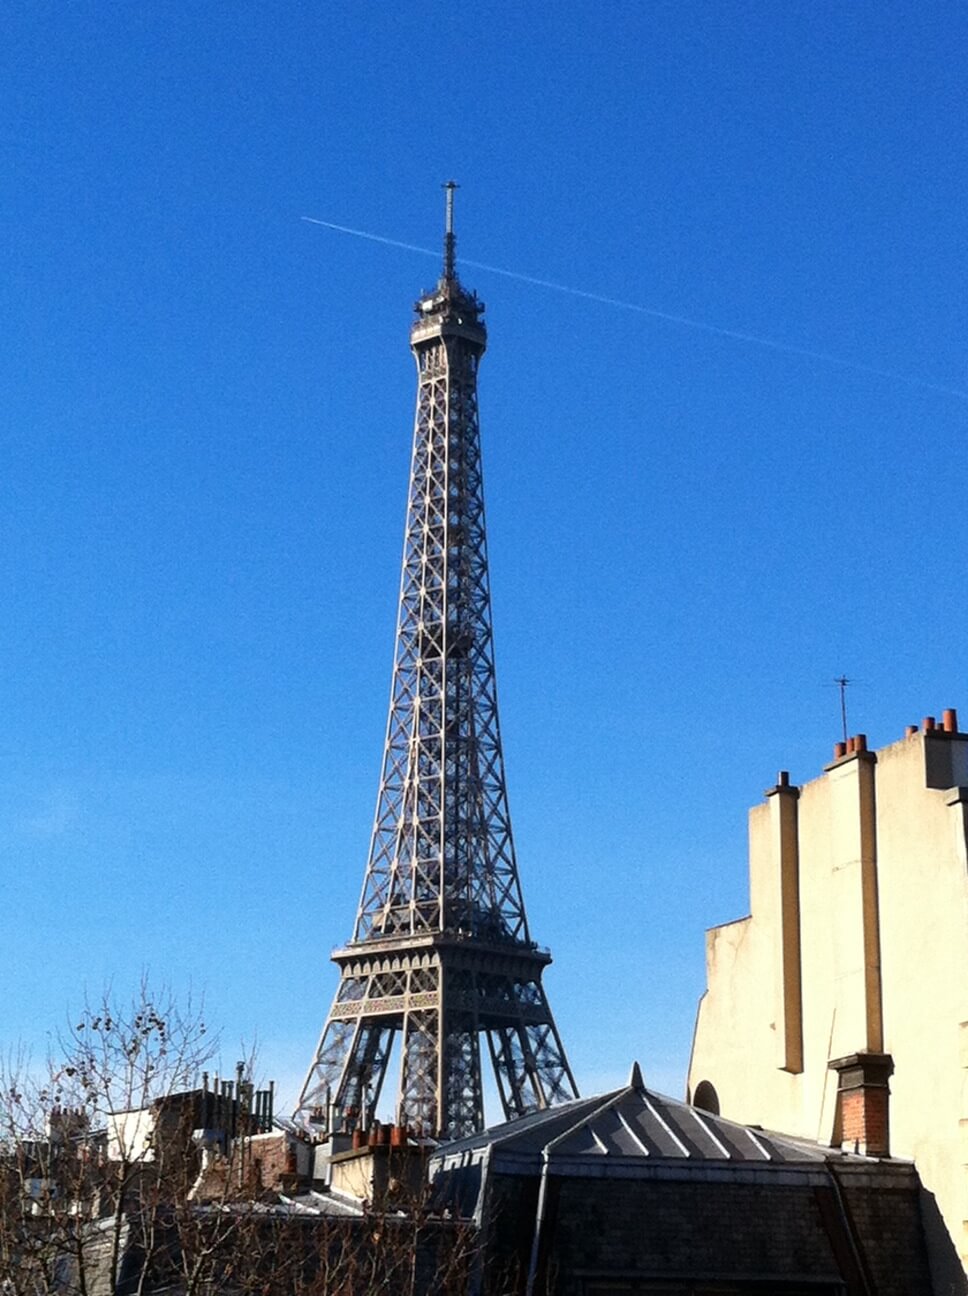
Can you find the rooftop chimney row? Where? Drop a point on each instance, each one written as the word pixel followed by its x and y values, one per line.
pixel 949 725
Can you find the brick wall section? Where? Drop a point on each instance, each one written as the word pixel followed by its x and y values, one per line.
pixel 676 1228
pixel 888 1224
pixel 270 1159
pixel 717 1230
pixel 864 1120
pixel 508 1228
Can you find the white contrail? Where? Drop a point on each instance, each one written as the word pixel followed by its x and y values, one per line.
pixel 683 321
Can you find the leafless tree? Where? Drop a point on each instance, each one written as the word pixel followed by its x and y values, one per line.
pixel 81 1166
pixel 105 1191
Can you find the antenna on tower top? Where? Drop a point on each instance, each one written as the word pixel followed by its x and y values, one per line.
pixel 450 240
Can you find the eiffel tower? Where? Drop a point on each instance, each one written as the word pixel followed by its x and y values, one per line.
pixel 441 953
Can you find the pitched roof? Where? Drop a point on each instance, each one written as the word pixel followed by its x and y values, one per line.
pixel 635 1123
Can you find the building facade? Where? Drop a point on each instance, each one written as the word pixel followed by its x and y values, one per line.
pixel 838 1009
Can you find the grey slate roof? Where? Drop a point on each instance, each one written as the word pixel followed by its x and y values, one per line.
pixel 645 1185
pixel 635 1123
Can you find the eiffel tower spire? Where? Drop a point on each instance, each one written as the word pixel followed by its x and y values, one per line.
pixel 441 953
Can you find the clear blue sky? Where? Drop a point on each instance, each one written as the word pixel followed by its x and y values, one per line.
pixel 207 408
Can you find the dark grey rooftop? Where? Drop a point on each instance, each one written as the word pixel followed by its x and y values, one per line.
pixel 634 1123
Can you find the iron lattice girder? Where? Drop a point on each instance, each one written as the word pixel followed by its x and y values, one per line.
pixel 441 952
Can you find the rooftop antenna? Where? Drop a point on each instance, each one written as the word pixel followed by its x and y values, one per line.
pixel 842 681
pixel 450 241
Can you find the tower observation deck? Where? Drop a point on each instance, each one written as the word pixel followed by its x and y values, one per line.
pixel 441 954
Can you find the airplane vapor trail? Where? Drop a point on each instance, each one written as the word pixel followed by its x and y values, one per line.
pixel 684 321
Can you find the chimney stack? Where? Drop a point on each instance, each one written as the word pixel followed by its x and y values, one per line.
pixel 863 1099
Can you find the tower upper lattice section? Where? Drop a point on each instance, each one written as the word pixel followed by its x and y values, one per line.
pixel 442 854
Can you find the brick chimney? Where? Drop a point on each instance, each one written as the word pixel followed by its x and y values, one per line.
pixel 863 1098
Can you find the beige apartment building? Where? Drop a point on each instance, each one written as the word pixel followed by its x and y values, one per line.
pixel 838 1010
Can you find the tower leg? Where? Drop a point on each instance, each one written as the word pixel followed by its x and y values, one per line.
pixel 327 1069
pixel 419 1095
pixel 529 1061
pixel 362 1080
pixel 350 1064
pixel 460 1078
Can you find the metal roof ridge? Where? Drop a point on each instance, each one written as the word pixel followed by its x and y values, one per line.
pixel 647 1099
pixel 609 1101
pixel 759 1144
pixel 632 1134
pixel 705 1125
pixel 511 1129
pixel 758 1135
